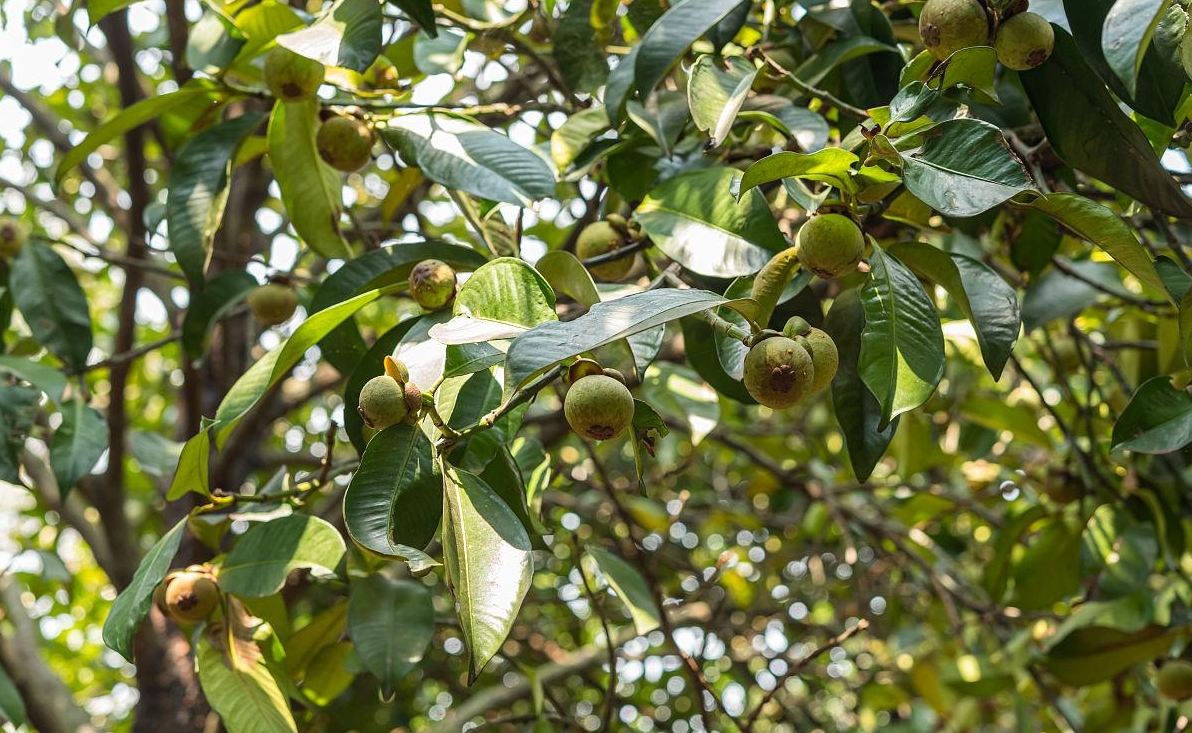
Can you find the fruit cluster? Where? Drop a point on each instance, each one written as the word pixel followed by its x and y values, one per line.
pixel 1022 41
pixel 390 398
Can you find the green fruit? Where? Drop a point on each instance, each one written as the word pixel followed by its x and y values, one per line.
pixel 600 238
pixel 615 374
pixel 382 402
pixel 598 407
pixel 12 236
pixel 796 326
pixel 432 284
pixel 946 26
pixel 191 597
pixel 345 143
pixel 779 372
pixel 273 303
pixel 292 77
pixel 1175 680
pixel 1024 41
pixel 830 245
pixel 824 357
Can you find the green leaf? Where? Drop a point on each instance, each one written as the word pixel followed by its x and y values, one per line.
pixel 470 157
pixel 1058 295
pixel 489 566
pixel 1127 34
pixel 246 696
pixel 716 91
pixel 97 10
pixel 1158 419
pixel 1099 225
pixel 1118 549
pixel 219 296
pixel 77 444
pixel 834 54
pixel 264 555
pixel 866 434
pixel 580 56
pixel 506 290
pixel 678 392
pixel 1095 654
pixel 833 166
pixel 46 378
pixel 12 707
pixel 672 34
pixel 699 340
pixel 694 219
pixel 395 499
pixel 198 189
pixel 575 135
pixel 963 168
pixel 1021 419
pixel 392 622
pixel 442 53
pixel 568 275
pixel 192 471
pixel 348 34
pixel 902 346
pixel 989 303
pixel 1049 568
pixel 321 632
pixel 134 601
pixel 1090 133
pixel 310 189
pixel 213 43
pixel 540 347
pixel 808 129
pixel 18 409
pixel 275 365
pixel 1185 320
pixel 46 292
pixel 630 587
pixel 147 109
pixel 421 12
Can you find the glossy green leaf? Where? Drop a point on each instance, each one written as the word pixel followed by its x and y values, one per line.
pixel 192 472
pixel 1095 654
pixel 421 12
pixel 46 292
pixel 672 34
pixel 619 87
pixel 963 168
pixel 859 413
pixel 694 219
pixel 219 296
pixel 630 587
pixel 1119 550
pixel 348 34
pixel 552 342
pixel 833 166
pixel 1158 419
pixel 77 444
pixel 716 91
pixel 989 303
pixel 489 566
pixel 566 274
pixel 138 114
pixel 134 601
pixel 12 707
pixel 310 189
pixel 275 365
pixel 392 623
pixel 1099 225
pixel 198 190
pixel 1090 133
pixel 468 156
pixel 46 378
pixel 902 347
pixel 246 696
pixel 264 555
pixel 582 62
pixel 1126 35
pixel 506 290
pixel 808 129
pixel 395 499
pixel 834 54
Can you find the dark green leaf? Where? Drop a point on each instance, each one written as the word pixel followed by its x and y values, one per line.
pixel 1126 36
pixel 77 444
pixel 46 378
pixel 348 34
pixel 671 35
pixel 134 601
pixel 1121 550
pixel 716 90
pixel 630 587
pixel 264 555
pixel 223 293
pixel 580 56
pixel 395 500
pixel 1049 568
pixel 49 297
pixel 1095 654
pixel 12 707
pixel 391 623
pixel 421 12
pixel 1157 420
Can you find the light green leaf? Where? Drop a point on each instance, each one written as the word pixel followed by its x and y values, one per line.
pixel 630 587
pixel 567 274
pixel 46 292
pixel 506 290
pixel 392 622
pixel 191 474
pixel 246 696
pixel 310 189
pixel 46 378
pixel 348 34
pixel 489 566
pixel 902 346
pixel 468 156
pixel 833 166
pixel 264 555
pixel 134 601
pixel 394 501
pixel 715 94
pixel 694 219
pixel 963 168
pixel 77 444
pixel 198 189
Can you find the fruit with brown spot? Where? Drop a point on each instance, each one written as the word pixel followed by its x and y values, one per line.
pixel 779 372
pixel 292 77
pixel 598 407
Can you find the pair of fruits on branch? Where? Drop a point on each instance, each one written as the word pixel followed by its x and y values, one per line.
pixel 1022 40
pixel 603 239
pixel 188 596
pixel 390 398
pixel 344 141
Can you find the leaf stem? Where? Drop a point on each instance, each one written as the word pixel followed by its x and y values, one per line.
pixel 520 397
